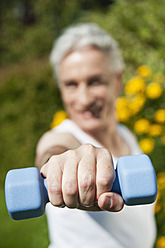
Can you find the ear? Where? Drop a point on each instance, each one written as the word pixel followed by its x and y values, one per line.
pixel 119 82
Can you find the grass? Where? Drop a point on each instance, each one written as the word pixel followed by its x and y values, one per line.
pixel 30 233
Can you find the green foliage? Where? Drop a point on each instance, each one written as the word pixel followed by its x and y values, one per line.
pixel 138 26
pixel 22 40
pixel 27 105
pixel 28 101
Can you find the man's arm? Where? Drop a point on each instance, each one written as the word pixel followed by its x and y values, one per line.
pixel 43 158
pixel 52 143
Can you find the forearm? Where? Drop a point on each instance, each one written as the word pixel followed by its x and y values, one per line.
pixel 41 159
pixel 52 143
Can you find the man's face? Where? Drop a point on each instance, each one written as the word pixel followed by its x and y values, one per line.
pixel 89 89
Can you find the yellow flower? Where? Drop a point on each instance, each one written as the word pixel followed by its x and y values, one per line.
pixel 135 85
pixel 154 90
pixel 123 116
pixel 147 145
pixel 144 71
pixel 136 104
pixel 160 116
pixel 160 242
pixel 123 113
pixel 155 130
pixel 141 126
pixel 58 118
pixel 122 102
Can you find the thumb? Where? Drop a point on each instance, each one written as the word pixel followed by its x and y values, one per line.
pixel 112 202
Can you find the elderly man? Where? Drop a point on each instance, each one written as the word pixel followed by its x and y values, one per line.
pixel 78 156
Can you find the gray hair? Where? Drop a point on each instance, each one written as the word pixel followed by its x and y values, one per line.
pixel 82 35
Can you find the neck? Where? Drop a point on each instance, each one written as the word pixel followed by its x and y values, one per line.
pixel 105 136
pixel 111 140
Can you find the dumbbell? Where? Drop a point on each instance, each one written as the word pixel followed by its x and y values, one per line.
pixel 26 192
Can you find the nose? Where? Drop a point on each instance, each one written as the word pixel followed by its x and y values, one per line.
pixel 85 97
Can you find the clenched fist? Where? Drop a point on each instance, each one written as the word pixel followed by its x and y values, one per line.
pixel 82 178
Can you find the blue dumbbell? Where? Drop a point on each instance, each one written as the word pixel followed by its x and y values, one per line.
pixel 26 192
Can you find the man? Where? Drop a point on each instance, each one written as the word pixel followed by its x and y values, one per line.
pixel 78 157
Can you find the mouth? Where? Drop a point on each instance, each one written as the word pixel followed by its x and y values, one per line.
pixel 93 112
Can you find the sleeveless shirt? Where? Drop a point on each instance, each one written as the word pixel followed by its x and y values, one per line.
pixel 132 227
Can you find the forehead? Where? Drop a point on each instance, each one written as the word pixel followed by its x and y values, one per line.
pixel 84 62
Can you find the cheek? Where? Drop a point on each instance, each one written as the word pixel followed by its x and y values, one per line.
pixel 110 96
pixel 99 94
pixel 69 103
pixel 105 97
pixel 66 98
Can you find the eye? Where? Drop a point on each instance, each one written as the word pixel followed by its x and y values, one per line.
pixel 96 81
pixel 70 84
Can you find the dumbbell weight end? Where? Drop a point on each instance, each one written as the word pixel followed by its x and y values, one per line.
pixel 25 192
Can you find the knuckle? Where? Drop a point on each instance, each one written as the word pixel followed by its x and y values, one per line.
pixel 104 182
pixel 71 155
pixel 87 182
pixel 55 190
pixel 54 187
pixel 70 188
pixel 55 193
pixel 106 153
pixel 52 163
pixel 52 159
pixel 88 148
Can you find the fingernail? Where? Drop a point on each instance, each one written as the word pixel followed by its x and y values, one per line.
pixel 107 203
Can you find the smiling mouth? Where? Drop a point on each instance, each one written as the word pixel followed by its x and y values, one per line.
pixel 92 113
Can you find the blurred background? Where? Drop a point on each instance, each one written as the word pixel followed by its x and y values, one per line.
pixel 29 97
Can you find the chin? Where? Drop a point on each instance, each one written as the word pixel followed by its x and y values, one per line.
pixel 91 126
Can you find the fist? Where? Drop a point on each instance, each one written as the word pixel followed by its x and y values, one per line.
pixel 82 178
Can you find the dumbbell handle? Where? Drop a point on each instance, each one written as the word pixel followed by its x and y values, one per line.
pixel 19 194
pixel 115 187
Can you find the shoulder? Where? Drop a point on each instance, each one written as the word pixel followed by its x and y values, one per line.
pixel 52 139
pixel 126 131
pixel 130 138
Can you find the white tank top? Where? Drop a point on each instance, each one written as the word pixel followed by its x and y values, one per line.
pixel 133 227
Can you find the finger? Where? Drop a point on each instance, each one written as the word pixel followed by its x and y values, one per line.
pixel 69 180
pixel 111 201
pixel 105 174
pixel 53 173
pixel 86 176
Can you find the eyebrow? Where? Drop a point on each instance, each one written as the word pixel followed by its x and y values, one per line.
pixel 97 77
pixel 89 79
